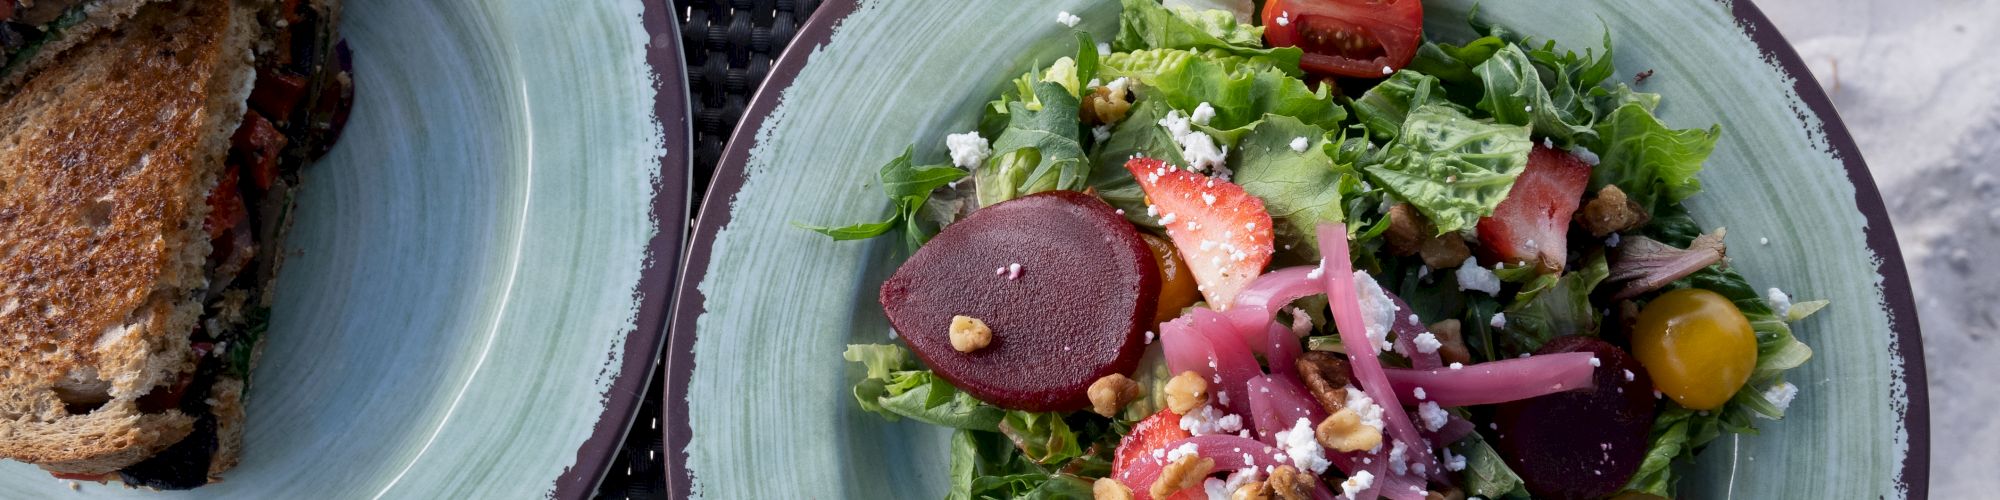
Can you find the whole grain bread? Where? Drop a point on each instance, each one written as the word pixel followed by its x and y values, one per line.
pixel 106 158
pixel 98 15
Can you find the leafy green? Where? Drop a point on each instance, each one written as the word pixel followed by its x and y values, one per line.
pixel 1145 24
pixel 1552 306
pixel 1140 134
pixel 243 345
pixel 1242 90
pixel 908 187
pixel 1301 189
pixel 1039 150
pixel 1454 63
pixel 1042 437
pixel 1515 95
pixel 1486 474
pixel 897 387
pixel 1383 109
pixel 1453 168
pixel 1653 164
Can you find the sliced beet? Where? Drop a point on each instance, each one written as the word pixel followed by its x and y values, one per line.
pixel 1580 444
pixel 1076 310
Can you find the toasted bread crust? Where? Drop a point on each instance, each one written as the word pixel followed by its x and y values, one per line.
pixel 101 239
pixel 99 15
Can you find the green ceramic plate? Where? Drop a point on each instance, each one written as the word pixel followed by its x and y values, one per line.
pixel 480 268
pixel 760 394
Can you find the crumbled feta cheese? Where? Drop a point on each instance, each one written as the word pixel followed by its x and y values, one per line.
pixel 1611 241
pixel 1584 154
pixel 1208 199
pixel 1300 144
pixel 1433 415
pixel 1301 448
pixel 1185 450
pixel 1284 18
pixel 1100 132
pixel 1361 480
pixel 1317 271
pixel 1013 271
pixel 1365 407
pixel 1206 420
pixel 1426 343
pixel 968 150
pixel 1499 320
pixel 1594 362
pixel 1473 277
pixel 1246 475
pixel 1120 85
pixel 1780 396
pixel 1068 19
pixel 1202 114
pixel 1201 153
pixel 1149 336
pixel 1418 392
pixel 1167 219
pixel 1378 311
pixel 1414 320
pixel 1763 241
pixel 1215 488
pixel 1423 271
pixel 1780 302
pixel 1457 366
pixel 1397 462
pixel 1453 462
pixel 1177 124
pixel 1388 70
pixel 1629 375
pixel 1103 48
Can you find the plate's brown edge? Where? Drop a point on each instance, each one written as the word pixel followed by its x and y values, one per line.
pixel 722 189
pixel 729 177
pixel 656 280
pixel 1915 478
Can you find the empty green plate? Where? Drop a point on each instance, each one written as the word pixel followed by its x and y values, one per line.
pixel 759 395
pixel 480 269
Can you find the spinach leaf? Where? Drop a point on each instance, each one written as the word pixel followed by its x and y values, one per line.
pixel 1552 306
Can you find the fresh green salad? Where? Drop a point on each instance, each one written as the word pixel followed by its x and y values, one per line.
pixel 1303 250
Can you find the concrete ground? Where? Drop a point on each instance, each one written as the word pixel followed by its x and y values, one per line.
pixel 1916 82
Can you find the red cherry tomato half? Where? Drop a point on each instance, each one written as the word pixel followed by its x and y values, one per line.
pixel 1357 38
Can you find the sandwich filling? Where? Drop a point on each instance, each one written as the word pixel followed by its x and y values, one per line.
pixel 296 110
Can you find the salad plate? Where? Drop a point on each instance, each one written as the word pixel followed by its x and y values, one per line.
pixel 480 270
pixel 766 309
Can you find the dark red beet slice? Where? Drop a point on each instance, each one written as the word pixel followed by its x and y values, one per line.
pixel 1077 310
pixel 1580 444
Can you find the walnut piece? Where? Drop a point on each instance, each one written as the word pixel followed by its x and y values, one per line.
pixel 1326 378
pixel 1105 105
pixel 1610 212
pixel 1407 230
pixel 1453 349
pixel 1343 431
pixel 1450 493
pixel 1111 393
pixel 1444 251
pixel 1109 489
pixel 969 334
pixel 1288 483
pixel 1186 392
pixel 1182 474
pixel 1254 490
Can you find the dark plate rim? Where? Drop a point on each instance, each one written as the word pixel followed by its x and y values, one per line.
pixel 730 175
pixel 656 288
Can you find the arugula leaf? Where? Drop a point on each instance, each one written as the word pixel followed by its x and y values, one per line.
pixel 1301 189
pixel 1086 58
pixel 1552 306
pixel 1145 24
pixel 1242 90
pixel 1452 168
pixel 1039 150
pixel 908 187
pixel 1653 164
pixel 1139 134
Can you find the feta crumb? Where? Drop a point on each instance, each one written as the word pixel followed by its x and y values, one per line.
pixel 1780 302
pixel 1120 85
pixel 1426 343
pixel 1398 464
pixel 1103 48
pixel 1418 392
pixel 1100 132
pixel 1013 271
pixel 1780 396
pixel 1149 336
pixel 1473 277
pixel 1300 144
pixel 968 150
pixel 1302 448
pixel 1423 271
pixel 1185 450
pixel 1215 488
pixel 1458 366
pixel 1068 19
pixel 1595 362
pixel 1414 320
pixel 1378 311
pixel 1434 416
pixel 1629 375
pixel 1388 71
pixel 1248 474
pixel 1453 462
pixel 1206 420
pixel 1611 241
pixel 1499 320
pixel 1208 199
pixel 1201 153
pixel 1317 271
pixel 1364 406
pixel 1361 480
pixel 1167 219
pixel 1176 124
pixel 1584 154
pixel 1763 241
pixel 1202 114
pixel 1284 18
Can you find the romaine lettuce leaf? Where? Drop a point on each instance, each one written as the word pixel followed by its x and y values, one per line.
pixel 896 386
pixel 1453 168
pixel 1383 109
pixel 1301 189
pixel 1039 150
pixel 1656 166
pixel 1242 90
pixel 1145 24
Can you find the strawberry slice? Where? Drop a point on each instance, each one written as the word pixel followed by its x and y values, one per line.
pixel 1532 224
pixel 1223 233
pixel 1150 435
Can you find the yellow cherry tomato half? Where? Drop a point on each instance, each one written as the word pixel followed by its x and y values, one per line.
pixel 1177 287
pixel 1697 346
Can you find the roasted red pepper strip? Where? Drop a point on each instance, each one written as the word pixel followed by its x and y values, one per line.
pixel 255 147
pixel 277 93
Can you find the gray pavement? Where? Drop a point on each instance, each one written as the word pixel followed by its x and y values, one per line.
pixel 1917 84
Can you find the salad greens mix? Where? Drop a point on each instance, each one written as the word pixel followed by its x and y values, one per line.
pixel 1446 139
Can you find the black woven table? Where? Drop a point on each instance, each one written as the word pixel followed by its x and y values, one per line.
pixel 729 46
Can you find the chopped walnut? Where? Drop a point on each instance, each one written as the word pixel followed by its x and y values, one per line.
pixel 1610 212
pixel 1407 230
pixel 1186 392
pixel 1105 105
pixel 1343 431
pixel 1182 474
pixel 1254 490
pixel 1109 489
pixel 1288 483
pixel 969 334
pixel 1444 251
pixel 1453 350
pixel 1111 393
pixel 1326 378
pixel 1449 493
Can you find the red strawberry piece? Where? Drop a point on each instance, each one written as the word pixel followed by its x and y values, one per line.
pixel 1223 233
pixel 1148 441
pixel 1532 224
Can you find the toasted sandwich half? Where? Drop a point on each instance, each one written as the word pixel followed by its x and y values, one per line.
pixel 146 181
pixel 33 32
